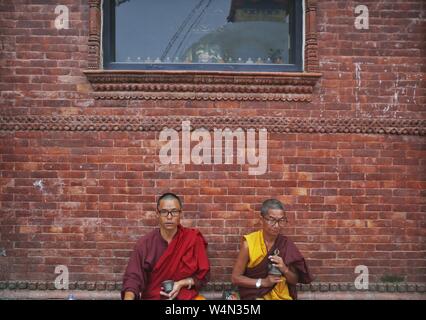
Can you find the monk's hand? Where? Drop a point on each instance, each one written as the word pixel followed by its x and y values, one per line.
pixel 128 295
pixel 175 291
pixel 278 262
pixel 271 280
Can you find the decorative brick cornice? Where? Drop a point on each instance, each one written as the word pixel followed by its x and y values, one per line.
pixel 157 123
pixel 219 286
pixel 197 85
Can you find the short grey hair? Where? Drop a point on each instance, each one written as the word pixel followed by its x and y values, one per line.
pixel 270 204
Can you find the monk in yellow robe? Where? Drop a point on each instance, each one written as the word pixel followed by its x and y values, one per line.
pixel 269 265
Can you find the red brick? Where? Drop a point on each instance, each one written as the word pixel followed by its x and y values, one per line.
pixel 351 198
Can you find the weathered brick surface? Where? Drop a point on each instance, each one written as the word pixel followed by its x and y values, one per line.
pixel 83 198
pixel 210 295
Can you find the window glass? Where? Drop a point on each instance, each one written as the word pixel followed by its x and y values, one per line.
pixel 203 32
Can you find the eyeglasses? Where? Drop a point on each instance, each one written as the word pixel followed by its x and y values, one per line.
pixel 165 213
pixel 281 222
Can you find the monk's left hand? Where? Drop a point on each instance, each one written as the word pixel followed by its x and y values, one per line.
pixel 175 291
pixel 277 261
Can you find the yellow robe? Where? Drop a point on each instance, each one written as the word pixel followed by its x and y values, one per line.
pixel 257 252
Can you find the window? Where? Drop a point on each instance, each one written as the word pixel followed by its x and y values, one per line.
pixel 243 50
pixel 227 35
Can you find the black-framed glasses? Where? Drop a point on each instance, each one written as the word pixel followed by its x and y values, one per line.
pixel 165 213
pixel 271 221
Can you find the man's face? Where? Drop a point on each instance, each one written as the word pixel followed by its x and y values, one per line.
pixel 169 212
pixel 273 221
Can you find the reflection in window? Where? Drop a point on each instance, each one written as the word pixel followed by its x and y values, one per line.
pixel 203 31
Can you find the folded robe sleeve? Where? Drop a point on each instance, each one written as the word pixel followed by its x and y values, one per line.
pixel 135 277
pixel 202 276
pixel 294 258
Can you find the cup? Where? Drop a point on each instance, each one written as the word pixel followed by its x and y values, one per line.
pixel 168 285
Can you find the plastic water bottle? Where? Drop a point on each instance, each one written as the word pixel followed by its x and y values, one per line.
pixel 71 297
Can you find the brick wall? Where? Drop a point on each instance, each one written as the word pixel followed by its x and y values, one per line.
pixel 83 198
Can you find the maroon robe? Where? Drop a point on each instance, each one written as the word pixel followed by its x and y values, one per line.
pixel 153 260
pixel 291 257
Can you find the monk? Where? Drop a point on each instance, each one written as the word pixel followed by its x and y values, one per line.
pixel 170 252
pixel 262 249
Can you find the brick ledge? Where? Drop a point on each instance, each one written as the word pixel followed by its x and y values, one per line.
pixel 212 295
pixel 217 287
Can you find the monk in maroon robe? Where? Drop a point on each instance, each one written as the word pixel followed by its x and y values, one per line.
pixel 171 252
pixel 265 250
